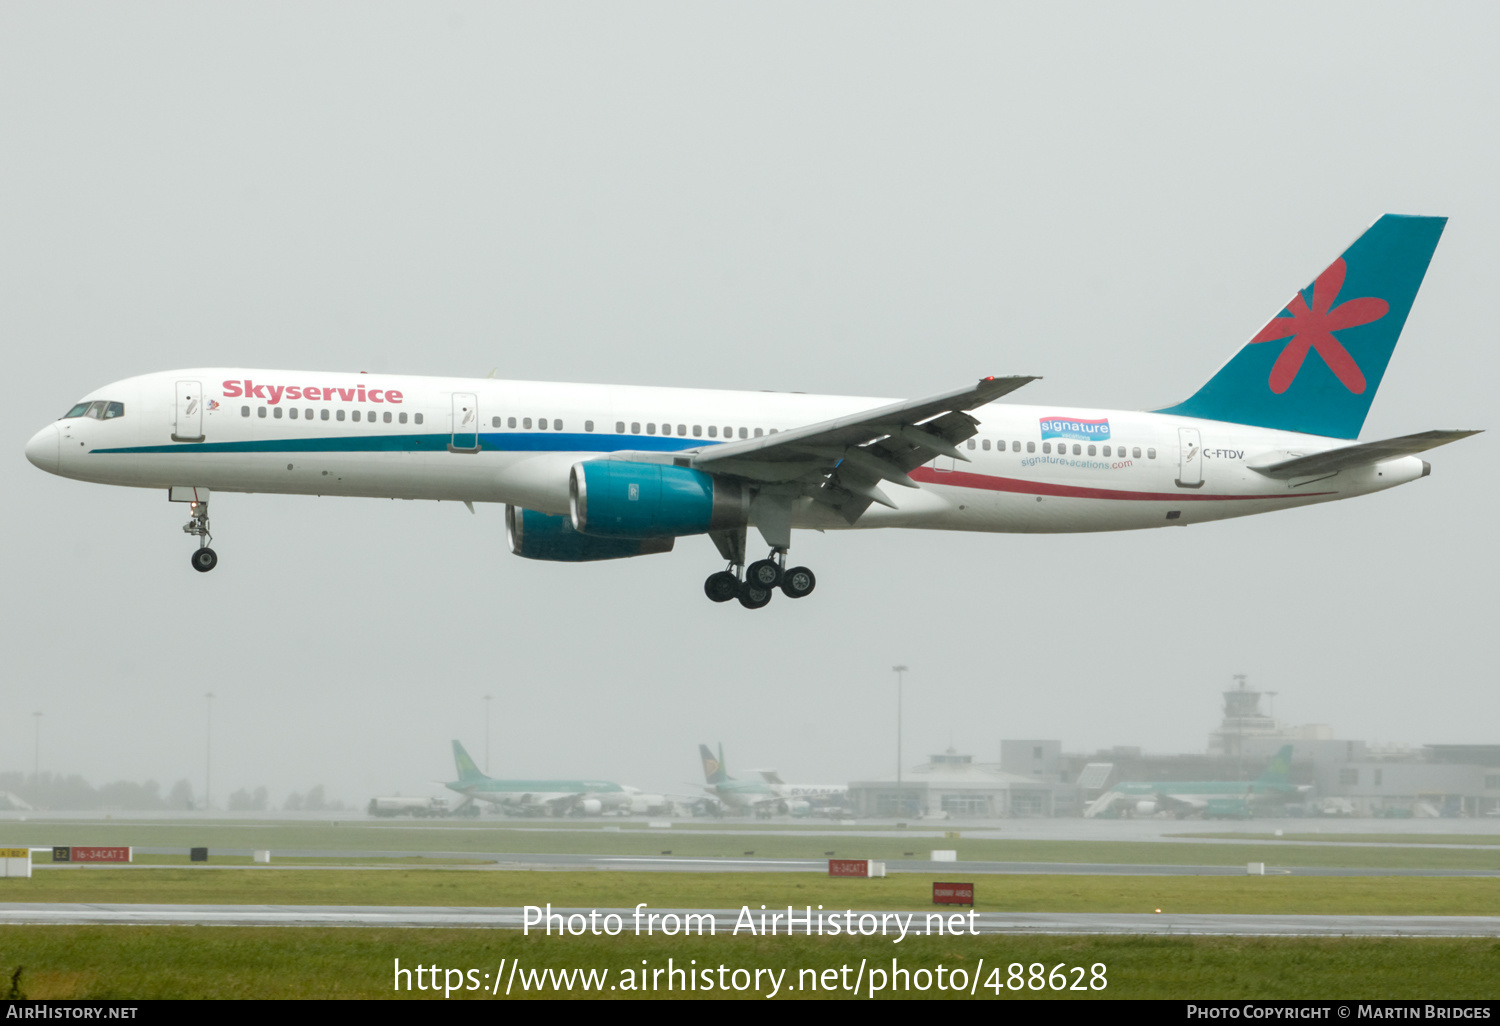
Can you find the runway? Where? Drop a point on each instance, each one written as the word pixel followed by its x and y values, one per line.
pixel 724 920
pixel 712 864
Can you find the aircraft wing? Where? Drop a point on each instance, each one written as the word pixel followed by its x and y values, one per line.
pixel 840 462
pixel 1177 804
pixel 1290 464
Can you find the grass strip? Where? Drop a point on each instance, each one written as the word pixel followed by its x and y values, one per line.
pixel 146 963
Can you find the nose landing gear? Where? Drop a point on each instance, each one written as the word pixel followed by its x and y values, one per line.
pixel 204 558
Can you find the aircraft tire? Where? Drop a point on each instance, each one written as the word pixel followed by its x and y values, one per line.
pixel 798 582
pixel 753 596
pixel 764 573
pixel 205 560
pixel 722 586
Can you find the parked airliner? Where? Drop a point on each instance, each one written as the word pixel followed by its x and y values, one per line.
pixel 591 472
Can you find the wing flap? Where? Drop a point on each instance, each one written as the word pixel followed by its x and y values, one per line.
pixel 1287 464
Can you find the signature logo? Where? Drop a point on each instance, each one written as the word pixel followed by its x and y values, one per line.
pixel 1313 328
pixel 1070 427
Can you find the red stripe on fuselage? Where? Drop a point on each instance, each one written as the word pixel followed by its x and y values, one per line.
pixel 984 482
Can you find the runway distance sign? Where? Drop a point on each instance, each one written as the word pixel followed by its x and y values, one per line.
pixel 90 853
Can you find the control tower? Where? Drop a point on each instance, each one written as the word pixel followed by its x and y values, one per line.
pixel 1242 719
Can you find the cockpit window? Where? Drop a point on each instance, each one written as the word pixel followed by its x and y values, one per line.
pixel 114 410
pixel 96 409
pixel 99 409
pixel 77 411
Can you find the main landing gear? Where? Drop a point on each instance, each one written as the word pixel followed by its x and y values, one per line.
pixel 204 558
pixel 760 581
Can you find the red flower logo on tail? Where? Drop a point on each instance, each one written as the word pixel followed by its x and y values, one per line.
pixel 1313 329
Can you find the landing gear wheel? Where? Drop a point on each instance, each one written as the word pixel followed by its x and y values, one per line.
pixel 204 560
pixel 798 582
pixel 722 586
pixel 764 572
pixel 752 596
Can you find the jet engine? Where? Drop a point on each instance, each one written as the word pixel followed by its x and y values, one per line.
pixel 620 499
pixel 534 535
pixel 1145 808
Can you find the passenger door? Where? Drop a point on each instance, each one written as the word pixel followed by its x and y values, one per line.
pixel 465 423
pixel 187 424
pixel 1189 458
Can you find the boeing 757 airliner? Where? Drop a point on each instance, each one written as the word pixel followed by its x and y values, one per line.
pixel 590 472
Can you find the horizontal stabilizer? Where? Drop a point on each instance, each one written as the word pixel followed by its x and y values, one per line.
pixel 1289 464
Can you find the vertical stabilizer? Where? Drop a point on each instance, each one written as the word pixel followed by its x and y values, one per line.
pixel 1279 772
pixel 713 768
pixel 467 770
pixel 1315 366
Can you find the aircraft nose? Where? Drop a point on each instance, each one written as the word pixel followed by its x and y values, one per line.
pixel 42 449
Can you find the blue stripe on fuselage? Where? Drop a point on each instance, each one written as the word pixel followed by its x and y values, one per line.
pixel 491 442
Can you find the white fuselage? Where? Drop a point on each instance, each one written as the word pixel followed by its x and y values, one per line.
pixel 482 440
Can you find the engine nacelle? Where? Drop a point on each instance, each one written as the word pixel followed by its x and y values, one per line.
pixel 1145 808
pixel 618 499
pixel 534 535
pixel 589 807
pixel 798 807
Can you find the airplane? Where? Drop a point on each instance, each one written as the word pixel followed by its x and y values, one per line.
pixel 1211 799
pixel 767 795
pixel 595 472
pixel 548 797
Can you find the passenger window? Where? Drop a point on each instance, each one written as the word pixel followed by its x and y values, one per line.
pixel 1106 450
pixel 971 444
pixel 713 431
pixel 1046 447
pixel 494 422
pixel 744 433
pixel 588 425
pixel 1030 446
pixel 114 410
pixel 338 415
pixel 511 422
pixel 260 411
pixel 757 432
pixel 557 425
pixel 276 413
pixel 681 430
pixel 1092 450
pixel 635 427
pixel 244 411
pixel 292 413
pixel 985 445
pixel 772 431
pixel 1016 447
pixel 619 427
pixel 81 409
pixel 387 417
pixel 1077 449
pixel 666 429
pixel 1136 452
pixel 526 423
pixel 401 417
pixel 417 417
pixel 697 430
pixel 1150 454
pixel 354 416
pixel 323 415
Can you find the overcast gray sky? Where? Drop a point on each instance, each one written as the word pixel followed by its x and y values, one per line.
pixel 863 198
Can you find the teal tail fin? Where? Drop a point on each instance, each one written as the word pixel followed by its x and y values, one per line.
pixel 467 770
pixel 1280 769
pixel 1315 366
pixel 713 768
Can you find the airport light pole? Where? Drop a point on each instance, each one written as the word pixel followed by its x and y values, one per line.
pixel 208 753
pixel 487 733
pixel 36 767
pixel 900 672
